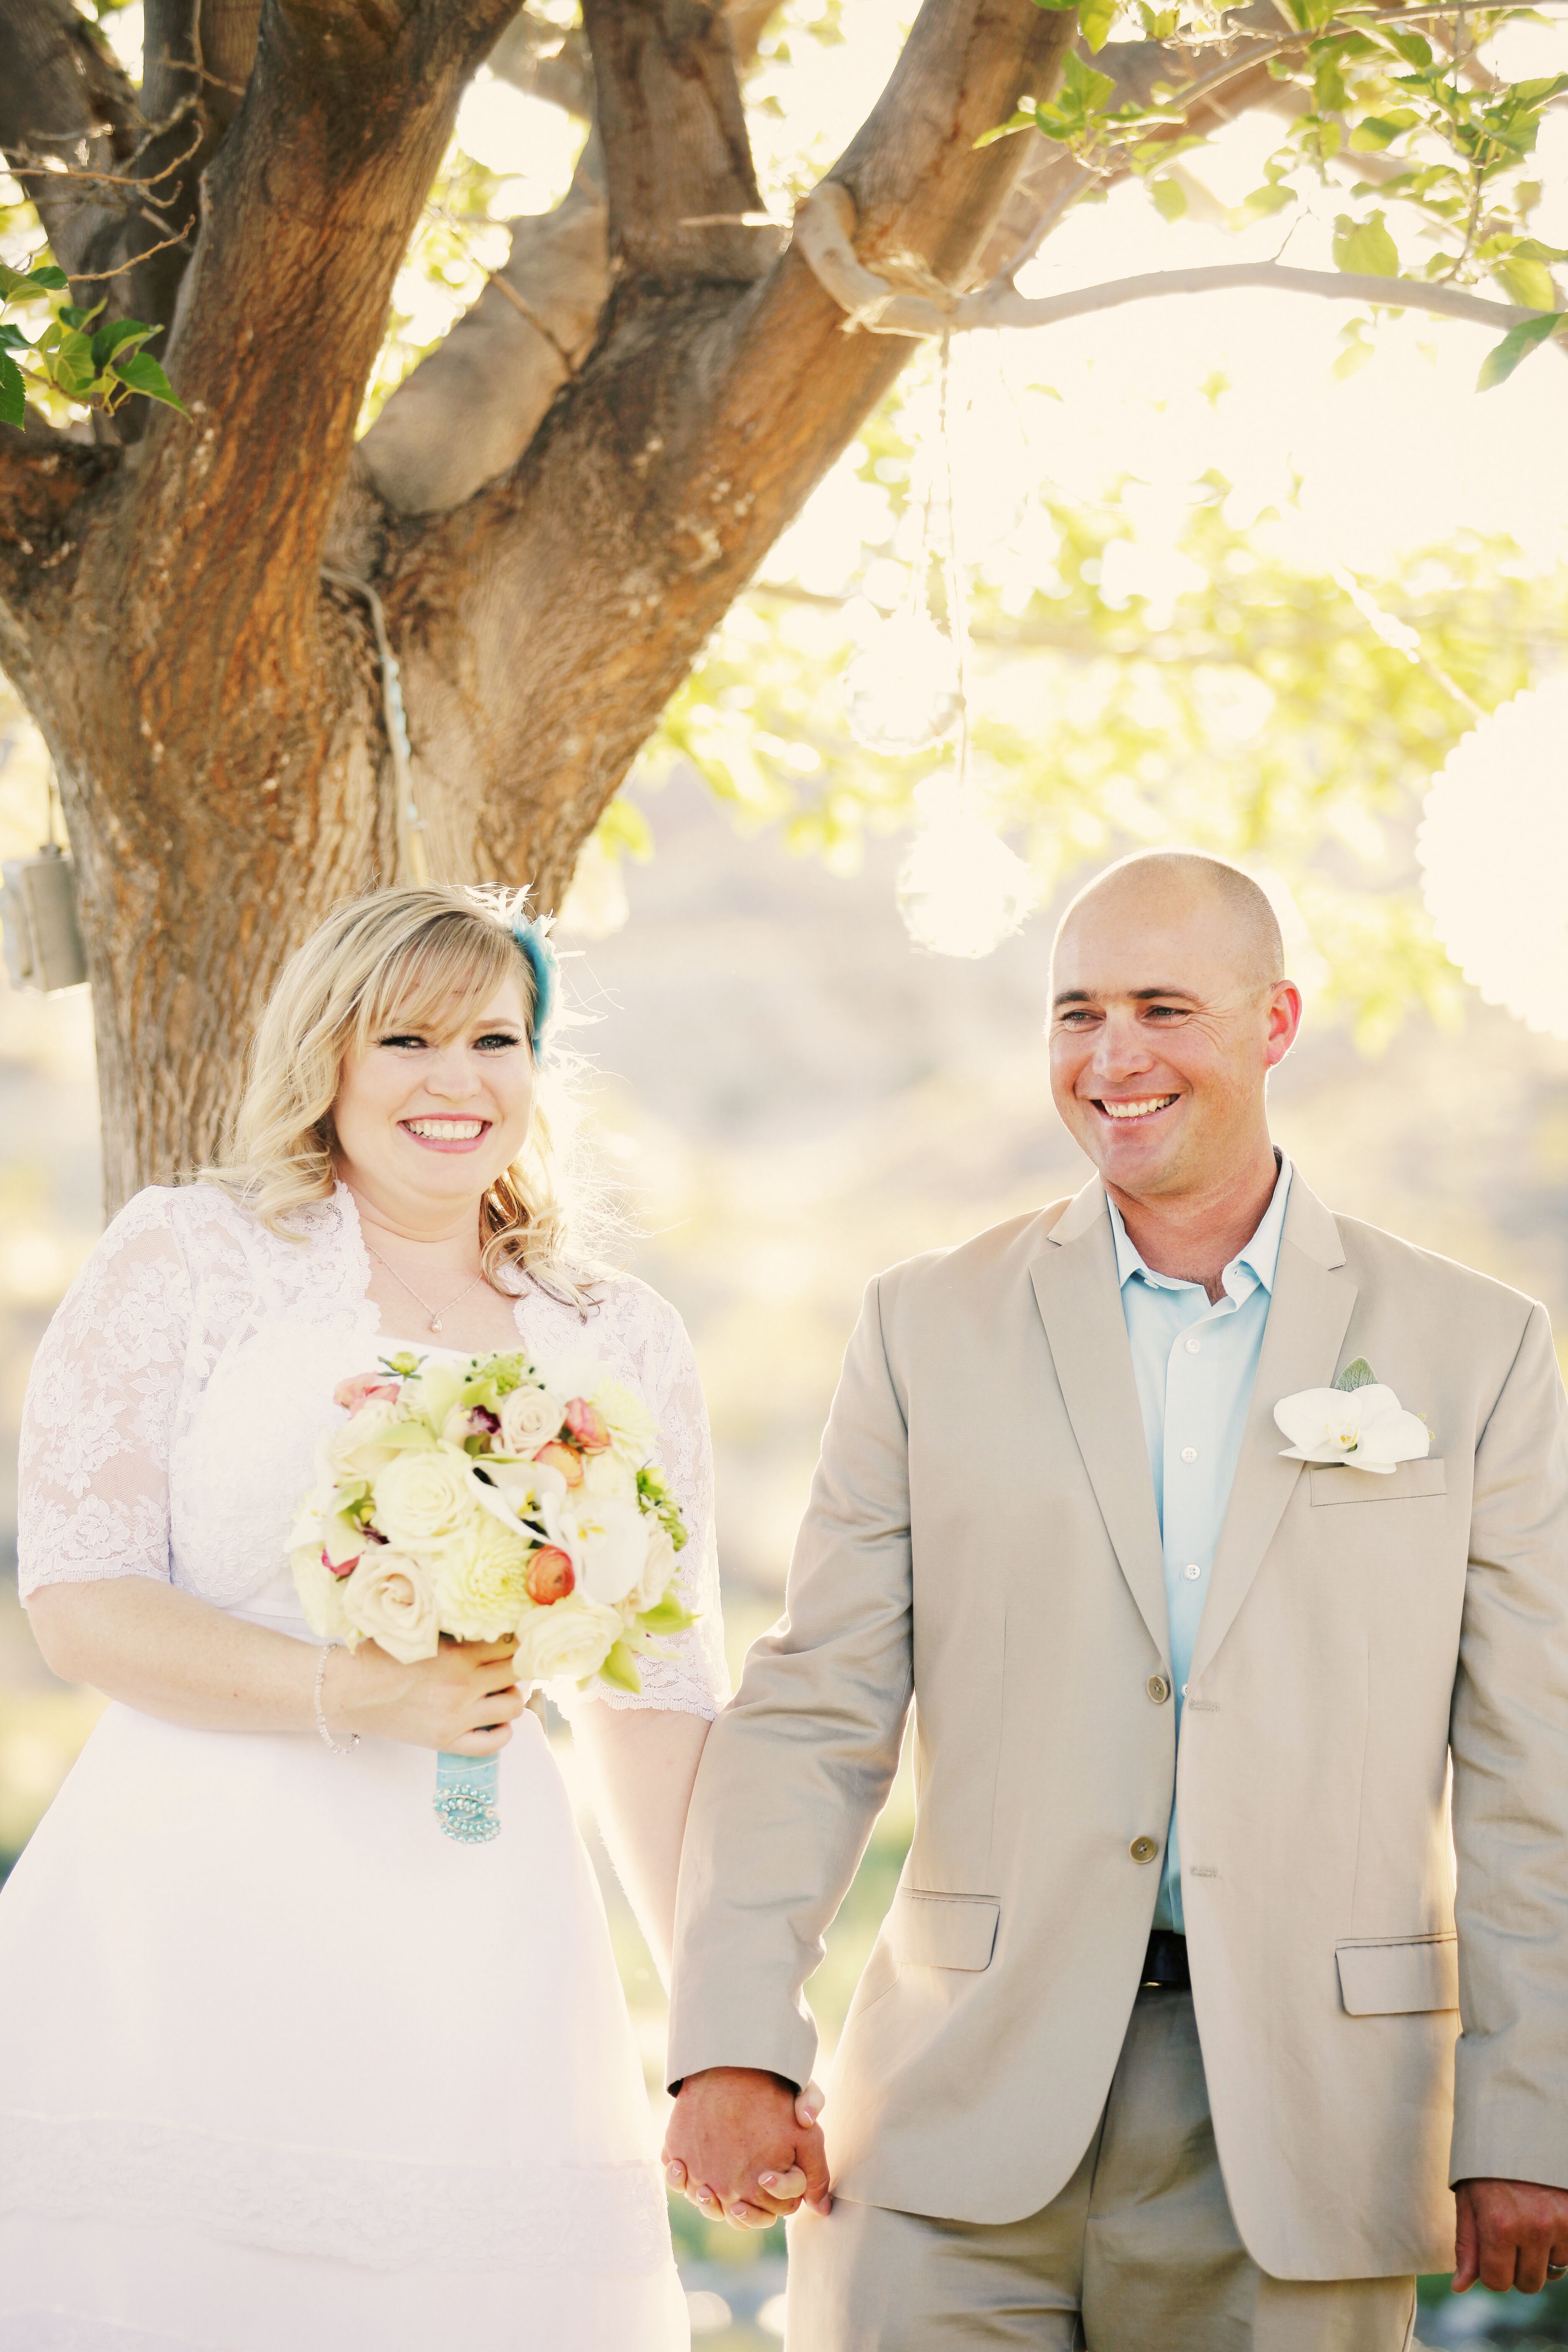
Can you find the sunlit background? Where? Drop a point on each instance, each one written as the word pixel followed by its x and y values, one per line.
pixel 1245 570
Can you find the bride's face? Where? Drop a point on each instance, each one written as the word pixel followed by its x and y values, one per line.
pixel 437 1112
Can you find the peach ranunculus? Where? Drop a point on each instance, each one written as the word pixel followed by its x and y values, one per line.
pixel 392 1601
pixel 530 1418
pixel 572 1639
pixel 426 1498
pixel 353 1394
pixel 551 1577
pixel 589 1429
pixel 563 1459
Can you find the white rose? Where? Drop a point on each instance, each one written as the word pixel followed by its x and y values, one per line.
pixel 392 1601
pixel 530 1418
pixel 606 1475
pixel 320 1594
pixel 425 1498
pixel 633 1429
pixel 572 1638
pixel 658 1570
pixel 354 1451
pixel 481 1592
pixel 607 1541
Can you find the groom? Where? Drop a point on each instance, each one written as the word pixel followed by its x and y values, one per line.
pixel 1157 2047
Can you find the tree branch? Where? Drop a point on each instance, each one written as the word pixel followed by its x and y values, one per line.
pixel 678 161
pixel 826 222
pixel 308 208
pixel 469 409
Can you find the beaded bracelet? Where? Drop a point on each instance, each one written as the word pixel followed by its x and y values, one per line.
pixel 327 1649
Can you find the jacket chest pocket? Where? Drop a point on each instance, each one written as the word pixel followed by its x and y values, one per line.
pixel 1407 1482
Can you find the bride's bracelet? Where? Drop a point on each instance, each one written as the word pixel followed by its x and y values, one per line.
pixel 327 1649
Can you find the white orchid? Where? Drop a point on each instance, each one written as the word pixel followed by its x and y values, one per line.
pixel 1366 1428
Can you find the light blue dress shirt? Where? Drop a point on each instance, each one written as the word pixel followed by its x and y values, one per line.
pixel 1194 1365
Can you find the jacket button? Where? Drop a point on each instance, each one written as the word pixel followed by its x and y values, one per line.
pixel 1158 1688
pixel 1143 1849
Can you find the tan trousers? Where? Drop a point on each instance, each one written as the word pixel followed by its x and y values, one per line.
pixel 1139 2253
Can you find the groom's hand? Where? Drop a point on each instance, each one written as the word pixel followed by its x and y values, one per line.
pixel 1509 2234
pixel 744 2143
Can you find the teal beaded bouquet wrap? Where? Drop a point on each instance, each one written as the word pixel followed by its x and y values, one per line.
pixel 485 1499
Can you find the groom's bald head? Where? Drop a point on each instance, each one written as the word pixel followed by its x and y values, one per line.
pixel 1159 886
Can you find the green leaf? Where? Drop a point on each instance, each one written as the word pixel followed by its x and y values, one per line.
pixel 12 339
pixel 621 1668
pixel 75 316
pixel 1170 198
pixel 48 278
pixel 1408 46
pixel 142 373
pixel 1530 249
pixel 667 1616
pixel 1365 248
pixel 13 392
pixel 1359 1375
pixel 1056 7
pixel 70 365
pixel 1022 121
pixel 1374 132
pixel 1529 283
pixel 116 335
pixel 1095 19
pixel 1516 345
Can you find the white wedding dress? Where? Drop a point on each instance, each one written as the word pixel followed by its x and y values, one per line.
pixel 283 2068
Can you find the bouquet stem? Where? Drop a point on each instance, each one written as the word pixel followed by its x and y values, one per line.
pixel 466 1790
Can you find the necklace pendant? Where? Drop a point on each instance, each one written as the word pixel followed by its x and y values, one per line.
pixel 435 1322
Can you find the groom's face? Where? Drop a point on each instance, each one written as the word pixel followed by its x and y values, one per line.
pixel 1164 1029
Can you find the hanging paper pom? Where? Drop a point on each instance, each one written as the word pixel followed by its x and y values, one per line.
pixel 1494 847
pixel 961 890
pixel 902 691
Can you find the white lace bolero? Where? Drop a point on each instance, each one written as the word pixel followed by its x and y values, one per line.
pixel 176 1399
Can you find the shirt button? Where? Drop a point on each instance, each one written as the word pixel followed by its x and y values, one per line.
pixel 1143 1849
pixel 1189 1453
pixel 1158 1688
pixel 1192 1571
pixel 1193 1347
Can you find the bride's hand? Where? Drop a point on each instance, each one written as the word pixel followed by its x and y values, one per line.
pixel 464 1700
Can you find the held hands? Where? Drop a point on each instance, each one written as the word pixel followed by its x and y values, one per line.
pixel 464 1700
pixel 1509 2234
pixel 746 2145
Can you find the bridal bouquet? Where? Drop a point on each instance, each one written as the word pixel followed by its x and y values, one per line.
pixel 484 1499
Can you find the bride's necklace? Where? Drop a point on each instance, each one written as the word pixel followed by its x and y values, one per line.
pixel 435 1313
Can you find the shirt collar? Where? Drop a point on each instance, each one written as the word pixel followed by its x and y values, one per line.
pixel 1260 1256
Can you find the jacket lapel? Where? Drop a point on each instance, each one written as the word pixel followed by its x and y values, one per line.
pixel 1081 1302
pixel 1307 1316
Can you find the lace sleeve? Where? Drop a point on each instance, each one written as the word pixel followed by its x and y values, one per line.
pixel 93 1466
pixel 684 1673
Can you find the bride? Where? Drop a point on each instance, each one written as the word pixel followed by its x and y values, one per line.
pixel 280 2065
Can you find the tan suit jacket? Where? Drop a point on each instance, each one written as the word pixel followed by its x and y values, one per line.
pixel 981 1539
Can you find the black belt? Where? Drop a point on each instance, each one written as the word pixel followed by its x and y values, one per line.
pixel 1165 1963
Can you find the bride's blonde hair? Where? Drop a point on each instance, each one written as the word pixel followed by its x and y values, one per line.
pixel 419 956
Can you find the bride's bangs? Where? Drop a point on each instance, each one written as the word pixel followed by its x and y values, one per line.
pixel 440 978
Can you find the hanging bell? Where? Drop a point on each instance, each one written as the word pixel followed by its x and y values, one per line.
pixel 37 914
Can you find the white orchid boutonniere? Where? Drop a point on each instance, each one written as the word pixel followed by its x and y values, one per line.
pixel 1358 1422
